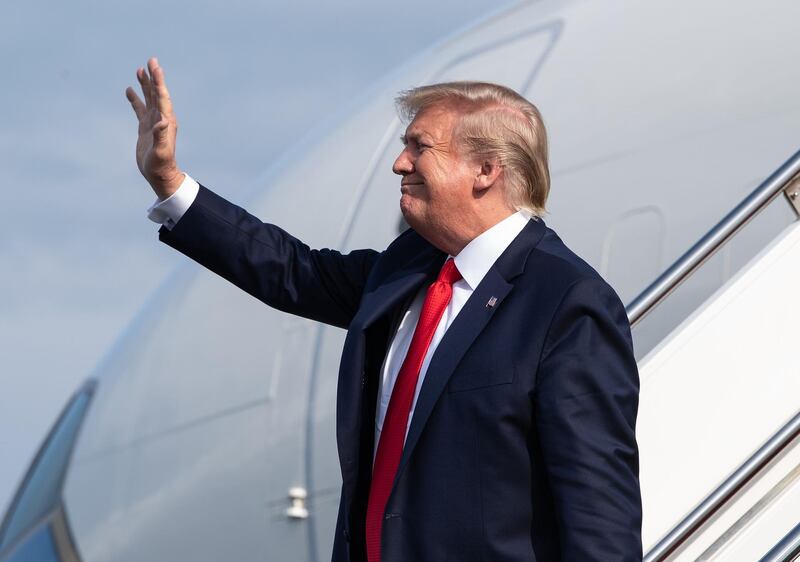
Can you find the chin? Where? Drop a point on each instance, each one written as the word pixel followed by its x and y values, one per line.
pixel 407 209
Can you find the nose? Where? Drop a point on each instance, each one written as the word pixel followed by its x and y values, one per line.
pixel 403 164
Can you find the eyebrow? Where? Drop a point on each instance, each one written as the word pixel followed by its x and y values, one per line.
pixel 416 137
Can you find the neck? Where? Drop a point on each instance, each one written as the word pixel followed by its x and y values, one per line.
pixel 453 240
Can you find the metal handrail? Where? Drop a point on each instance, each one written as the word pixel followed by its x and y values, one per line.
pixel 713 240
pixel 787 549
pixel 725 491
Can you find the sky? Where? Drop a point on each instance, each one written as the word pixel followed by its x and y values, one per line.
pixel 248 79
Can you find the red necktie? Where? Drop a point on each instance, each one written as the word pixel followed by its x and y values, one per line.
pixel 393 434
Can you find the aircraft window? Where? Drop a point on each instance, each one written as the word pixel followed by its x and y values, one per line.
pixel 40 493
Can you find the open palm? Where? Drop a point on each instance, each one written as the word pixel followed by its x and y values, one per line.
pixel 158 128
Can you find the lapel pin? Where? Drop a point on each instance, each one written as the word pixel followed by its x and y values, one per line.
pixel 492 302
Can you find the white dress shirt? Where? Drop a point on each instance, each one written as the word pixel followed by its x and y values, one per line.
pixel 170 210
pixel 474 261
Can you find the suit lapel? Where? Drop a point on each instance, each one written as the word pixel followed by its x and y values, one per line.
pixel 470 322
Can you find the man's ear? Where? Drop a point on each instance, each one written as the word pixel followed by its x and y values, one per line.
pixel 488 174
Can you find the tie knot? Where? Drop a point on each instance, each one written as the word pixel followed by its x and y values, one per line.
pixel 449 273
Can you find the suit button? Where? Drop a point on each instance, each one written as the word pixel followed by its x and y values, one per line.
pixel 346 534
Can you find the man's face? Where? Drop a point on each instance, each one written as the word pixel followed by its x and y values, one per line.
pixel 437 184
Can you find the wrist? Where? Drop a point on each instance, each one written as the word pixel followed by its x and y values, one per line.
pixel 167 183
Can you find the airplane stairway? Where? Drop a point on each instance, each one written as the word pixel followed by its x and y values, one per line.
pixel 719 416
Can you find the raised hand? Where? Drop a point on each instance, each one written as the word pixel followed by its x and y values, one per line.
pixel 158 128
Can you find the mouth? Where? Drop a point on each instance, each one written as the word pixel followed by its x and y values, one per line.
pixel 405 185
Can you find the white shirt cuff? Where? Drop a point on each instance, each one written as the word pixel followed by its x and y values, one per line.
pixel 170 210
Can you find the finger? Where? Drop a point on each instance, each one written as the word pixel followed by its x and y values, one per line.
pixel 144 80
pixel 151 64
pixel 138 107
pixel 160 92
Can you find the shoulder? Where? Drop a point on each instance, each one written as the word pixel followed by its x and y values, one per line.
pixel 569 284
pixel 406 239
pixel 562 264
pixel 553 263
pixel 408 250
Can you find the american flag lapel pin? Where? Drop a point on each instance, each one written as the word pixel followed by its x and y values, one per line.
pixel 492 302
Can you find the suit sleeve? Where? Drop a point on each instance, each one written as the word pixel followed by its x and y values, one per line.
pixel 586 404
pixel 270 264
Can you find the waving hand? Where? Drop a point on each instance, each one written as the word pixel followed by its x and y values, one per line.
pixel 158 128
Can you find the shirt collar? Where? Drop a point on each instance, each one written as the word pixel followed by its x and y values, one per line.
pixel 477 257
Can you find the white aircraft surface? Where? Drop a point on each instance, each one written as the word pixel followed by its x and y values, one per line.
pixel 207 434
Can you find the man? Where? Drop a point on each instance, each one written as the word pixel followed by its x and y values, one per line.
pixel 487 391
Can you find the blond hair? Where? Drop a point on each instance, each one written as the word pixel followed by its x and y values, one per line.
pixel 495 123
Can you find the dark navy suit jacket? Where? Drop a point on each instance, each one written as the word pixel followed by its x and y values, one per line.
pixel 522 444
